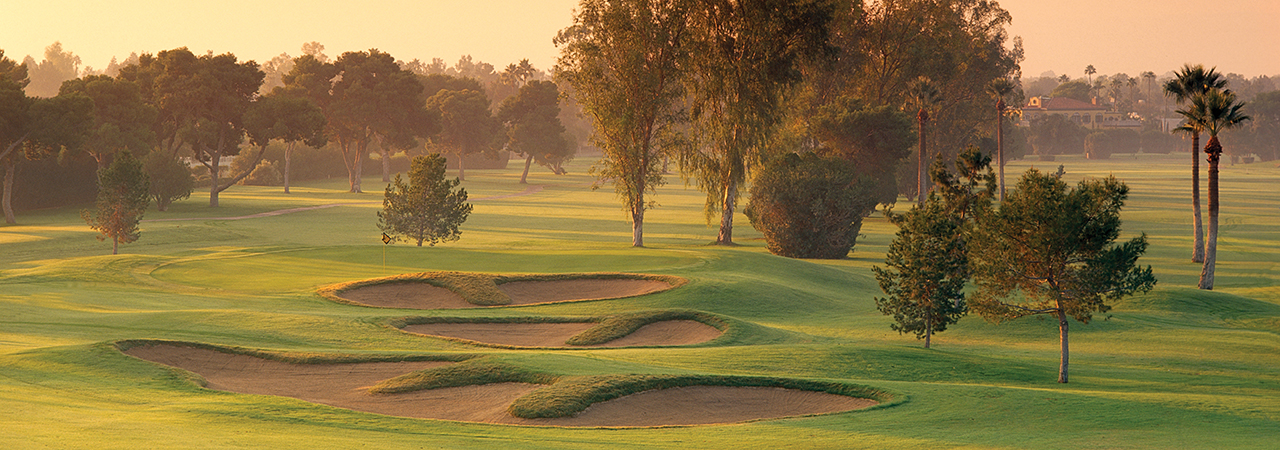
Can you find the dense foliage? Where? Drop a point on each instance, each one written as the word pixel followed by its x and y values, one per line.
pixel 809 206
pixel 427 209
pixel 123 196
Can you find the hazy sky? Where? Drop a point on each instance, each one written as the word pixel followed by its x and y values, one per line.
pixel 1063 36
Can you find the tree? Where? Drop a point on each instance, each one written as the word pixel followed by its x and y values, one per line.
pixel 622 60
pixel 35 128
pixel 467 125
pixel 873 139
pixel 810 206
pixel 1076 90
pixel 922 96
pixel 1089 71
pixel 533 126
pixel 122 121
pixel 999 89
pixel 286 117
pixel 171 180
pixel 927 262
pixel 1264 130
pixel 201 102
pixel 123 196
pixel 742 57
pixel 1216 111
pixel 47 76
pixel 1048 250
pixel 427 209
pixel 1192 81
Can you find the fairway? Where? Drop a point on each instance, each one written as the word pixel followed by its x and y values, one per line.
pixel 1174 368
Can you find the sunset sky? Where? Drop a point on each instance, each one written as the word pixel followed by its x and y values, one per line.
pixel 1131 36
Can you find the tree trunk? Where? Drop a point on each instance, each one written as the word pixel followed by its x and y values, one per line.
pixel 527 161
pixel 386 164
pixel 1197 252
pixel 288 156
pixel 1000 148
pixel 214 168
pixel 462 171
pixel 9 172
pixel 1211 247
pixel 637 207
pixel 921 173
pixel 1062 336
pixel 726 215
pixel 928 329
pixel 115 245
pixel 359 167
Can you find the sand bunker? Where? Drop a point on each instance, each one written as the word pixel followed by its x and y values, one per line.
pixel 407 295
pixel 532 292
pixel 418 295
pixel 345 386
pixel 669 332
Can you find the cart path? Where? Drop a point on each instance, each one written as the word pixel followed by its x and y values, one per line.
pixel 531 190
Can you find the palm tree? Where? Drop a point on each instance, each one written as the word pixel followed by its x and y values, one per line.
pixel 1000 88
pixel 1064 78
pixel 1217 110
pixel 1089 71
pixel 1189 83
pixel 922 95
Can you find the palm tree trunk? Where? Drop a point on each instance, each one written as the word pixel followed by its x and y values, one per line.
pixel 1000 149
pixel 1062 337
pixel 1211 247
pixel 1197 252
pixel 921 176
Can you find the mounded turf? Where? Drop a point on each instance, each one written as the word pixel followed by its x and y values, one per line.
pixel 1176 368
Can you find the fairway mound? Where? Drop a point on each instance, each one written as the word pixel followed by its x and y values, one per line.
pixel 572 290
pixel 704 405
pixel 346 385
pixel 453 290
pixel 664 333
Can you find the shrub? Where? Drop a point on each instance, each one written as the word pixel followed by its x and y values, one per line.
pixel 809 206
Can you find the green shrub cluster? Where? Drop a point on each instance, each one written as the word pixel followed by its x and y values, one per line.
pixel 1102 144
pixel 573 395
pixel 808 206
pixel 467 373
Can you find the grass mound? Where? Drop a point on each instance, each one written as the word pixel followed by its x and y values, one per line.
pixel 608 328
pixel 573 395
pixel 467 373
pixel 481 289
pixel 295 357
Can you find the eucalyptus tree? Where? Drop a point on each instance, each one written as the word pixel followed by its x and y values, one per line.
pixel 1214 111
pixel 365 96
pixel 622 58
pixel 1000 89
pixel 467 126
pixel 121 119
pixel 533 126
pixel 35 128
pixel 288 118
pixel 743 56
pixel 1048 250
pixel 923 96
pixel 1189 82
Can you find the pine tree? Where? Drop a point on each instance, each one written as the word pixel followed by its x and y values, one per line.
pixel 122 199
pixel 427 209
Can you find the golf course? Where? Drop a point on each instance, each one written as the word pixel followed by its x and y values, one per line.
pixel 283 321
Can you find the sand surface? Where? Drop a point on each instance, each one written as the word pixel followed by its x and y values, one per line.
pixel 345 386
pixel 670 332
pixel 531 292
pixel 417 295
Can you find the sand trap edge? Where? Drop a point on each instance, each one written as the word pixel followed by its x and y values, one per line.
pixel 711 320
pixel 486 298
pixel 296 357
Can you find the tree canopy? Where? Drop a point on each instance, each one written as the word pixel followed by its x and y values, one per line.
pixel 467 125
pixel 123 196
pixel 533 126
pixel 427 209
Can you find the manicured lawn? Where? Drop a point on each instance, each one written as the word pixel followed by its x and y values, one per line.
pixel 1175 368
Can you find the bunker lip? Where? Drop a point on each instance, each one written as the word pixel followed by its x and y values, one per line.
pixel 345 385
pixel 421 291
pixel 528 335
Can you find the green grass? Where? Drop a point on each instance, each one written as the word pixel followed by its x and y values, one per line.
pixel 1174 368
pixel 481 289
pixel 607 328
